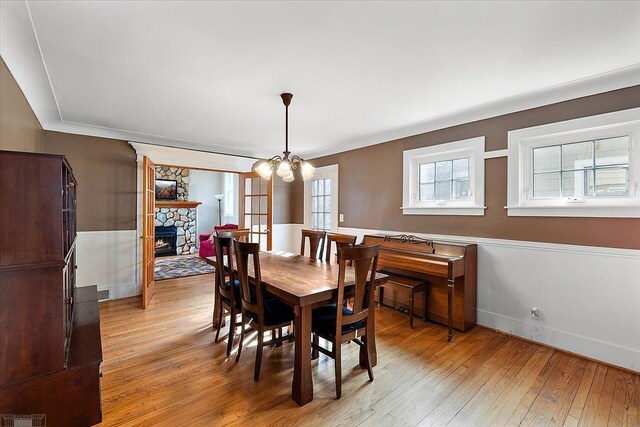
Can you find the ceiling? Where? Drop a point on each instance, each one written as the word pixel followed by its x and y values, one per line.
pixel 207 75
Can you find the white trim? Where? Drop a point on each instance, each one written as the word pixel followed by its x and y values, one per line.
pixel 495 154
pixel 332 172
pixel 599 83
pixel 473 149
pixel 522 141
pixel 193 159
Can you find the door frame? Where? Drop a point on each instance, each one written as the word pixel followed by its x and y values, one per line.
pixel 330 171
pixel 184 158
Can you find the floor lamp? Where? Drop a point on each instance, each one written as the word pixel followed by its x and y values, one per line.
pixel 219 198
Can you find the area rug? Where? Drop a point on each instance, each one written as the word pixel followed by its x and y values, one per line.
pixel 170 268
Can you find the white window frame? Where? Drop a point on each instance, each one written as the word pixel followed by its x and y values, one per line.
pixel 331 172
pixel 473 149
pixel 520 201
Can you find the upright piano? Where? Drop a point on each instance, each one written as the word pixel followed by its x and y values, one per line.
pixel 449 267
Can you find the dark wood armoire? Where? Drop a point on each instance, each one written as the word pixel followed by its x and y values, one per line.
pixel 50 348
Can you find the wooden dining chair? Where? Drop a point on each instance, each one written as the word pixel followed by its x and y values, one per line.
pixel 341 241
pixel 338 324
pixel 316 243
pixel 241 234
pixel 263 314
pixel 228 289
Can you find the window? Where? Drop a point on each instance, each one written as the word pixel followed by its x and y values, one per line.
pixel 445 179
pixel 321 199
pixel 321 204
pixel 598 168
pixel 230 183
pixel 583 167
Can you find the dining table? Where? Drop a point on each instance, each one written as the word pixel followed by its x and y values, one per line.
pixel 306 283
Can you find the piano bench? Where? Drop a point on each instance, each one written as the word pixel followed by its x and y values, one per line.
pixel 415 286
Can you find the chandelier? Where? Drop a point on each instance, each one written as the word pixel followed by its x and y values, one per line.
pixel 283 165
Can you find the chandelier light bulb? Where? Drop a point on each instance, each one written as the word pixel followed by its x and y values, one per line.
pixel 307 171
pixel 284 169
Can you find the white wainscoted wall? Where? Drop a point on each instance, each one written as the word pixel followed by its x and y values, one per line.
pixel 108 259
pixel 286 237
pixel 588 297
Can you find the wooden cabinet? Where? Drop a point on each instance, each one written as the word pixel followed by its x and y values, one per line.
pixel 50 350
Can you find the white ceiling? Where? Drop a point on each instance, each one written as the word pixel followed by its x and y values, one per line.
pixel 208 75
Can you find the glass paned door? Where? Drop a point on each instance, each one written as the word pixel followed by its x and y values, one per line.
pixel 256 208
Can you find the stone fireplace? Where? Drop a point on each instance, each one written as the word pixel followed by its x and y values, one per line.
pixel 178 214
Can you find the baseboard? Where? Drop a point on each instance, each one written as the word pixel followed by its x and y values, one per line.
pixel 582 346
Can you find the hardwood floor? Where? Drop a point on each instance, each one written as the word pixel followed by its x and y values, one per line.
pixel 161 367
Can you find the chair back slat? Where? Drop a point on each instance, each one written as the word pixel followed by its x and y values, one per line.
pixel 243 251
pixel 316 243
pixel 364 260
pixel 239 234
pixel 341 241
pixel 224 249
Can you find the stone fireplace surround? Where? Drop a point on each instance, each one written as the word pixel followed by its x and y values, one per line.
pixel 181 217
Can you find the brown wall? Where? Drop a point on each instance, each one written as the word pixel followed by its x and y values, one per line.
pixel 370 193
pixel 106 173
pixel 20 130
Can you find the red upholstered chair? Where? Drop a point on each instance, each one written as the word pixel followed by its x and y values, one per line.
pixel 207 248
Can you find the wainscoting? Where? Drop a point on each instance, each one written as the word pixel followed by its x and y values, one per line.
pixel 108 259
pixel 286 237
pixel 587 296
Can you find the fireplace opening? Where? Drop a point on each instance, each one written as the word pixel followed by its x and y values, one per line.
pixel 165 241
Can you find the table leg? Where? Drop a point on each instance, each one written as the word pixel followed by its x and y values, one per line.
pixel 371 341
pixel 450 309
pixel 302 387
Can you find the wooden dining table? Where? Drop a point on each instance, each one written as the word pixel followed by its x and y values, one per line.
pixel 306 283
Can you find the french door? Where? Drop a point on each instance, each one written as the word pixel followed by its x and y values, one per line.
pixel 256 208
pixel 148 229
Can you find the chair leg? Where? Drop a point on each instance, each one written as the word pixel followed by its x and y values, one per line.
pixel 256 373
pixel 292 332
pixel 241 337
pixel 368 357
pixel 232 330
pixel 380 294
pixel 219 324
pixel 278 335
pixel 338 364
pixel 314 351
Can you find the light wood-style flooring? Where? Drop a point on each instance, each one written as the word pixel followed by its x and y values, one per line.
pixel 162 368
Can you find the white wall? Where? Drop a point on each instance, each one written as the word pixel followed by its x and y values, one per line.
pixel 203 185
pixel 108 259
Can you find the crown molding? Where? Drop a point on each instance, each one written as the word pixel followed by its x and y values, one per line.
pixel 600 83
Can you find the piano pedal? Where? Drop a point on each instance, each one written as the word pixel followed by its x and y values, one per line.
pixel 402 309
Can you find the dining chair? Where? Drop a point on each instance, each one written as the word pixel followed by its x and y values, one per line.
pixel 316 243
pixel 338 324
pixel 241 234
pixel 263 314
pixel 341 240
pixel 228 289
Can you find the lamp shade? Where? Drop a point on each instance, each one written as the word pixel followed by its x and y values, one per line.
pixel 307 171
pixel 264 169
pixel 284 169
pixel 288 178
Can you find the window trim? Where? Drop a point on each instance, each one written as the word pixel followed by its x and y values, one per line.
pixel 323 172
pixel 520 174
pixel 472 148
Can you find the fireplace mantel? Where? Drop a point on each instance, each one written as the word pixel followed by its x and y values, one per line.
pixel 176 204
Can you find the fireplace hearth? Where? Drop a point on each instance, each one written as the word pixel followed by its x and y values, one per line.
pixel 165 241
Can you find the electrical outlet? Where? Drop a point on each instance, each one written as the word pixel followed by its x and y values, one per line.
pixel 535 313
pixel 341 218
